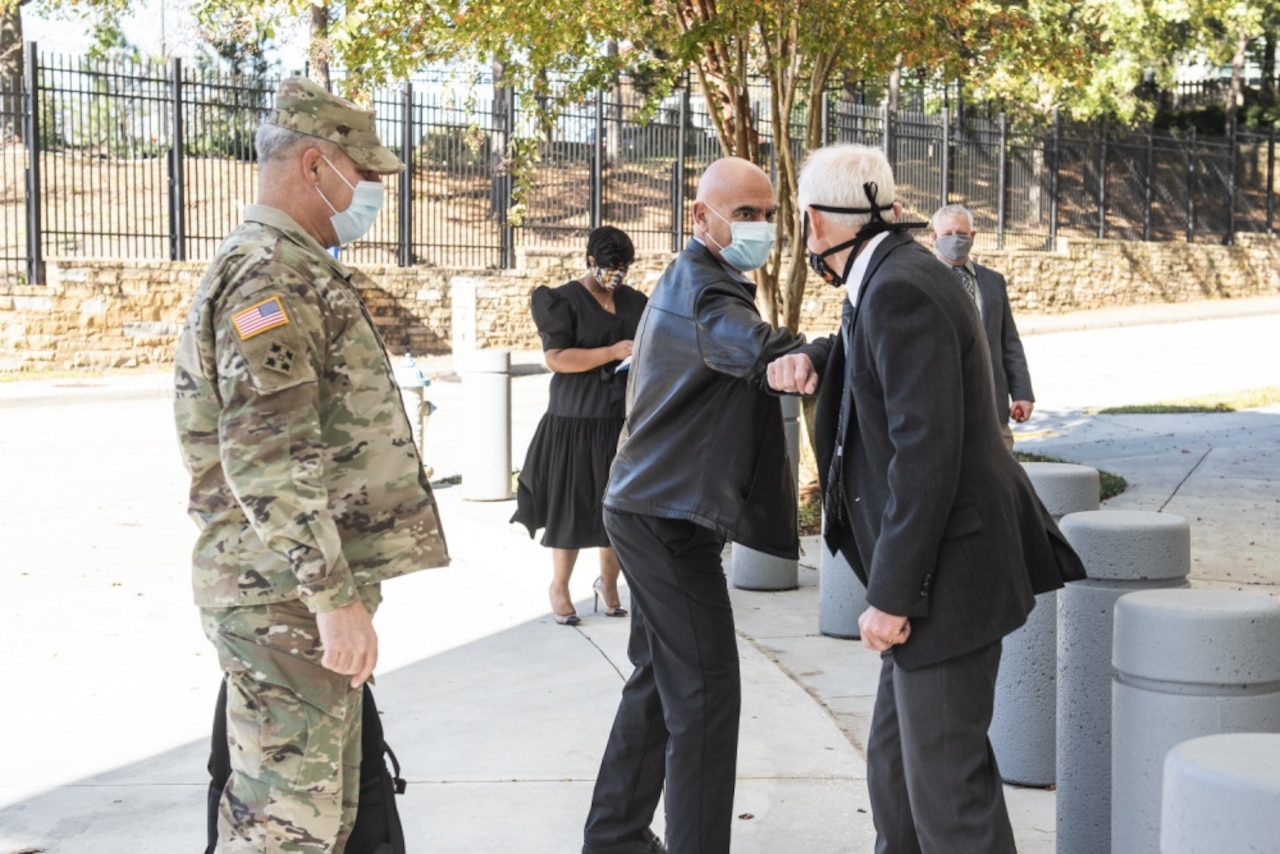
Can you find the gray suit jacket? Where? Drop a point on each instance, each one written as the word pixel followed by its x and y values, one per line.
pixel 1008 361
pixel 935 516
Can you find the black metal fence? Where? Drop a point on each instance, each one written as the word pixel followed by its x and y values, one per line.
pixel 103 159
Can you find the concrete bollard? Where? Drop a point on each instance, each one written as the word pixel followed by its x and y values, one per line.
pixel 1220 795
pixel 486 387
pixel 841 596
pixel 755 570
pixel 1188 663
pixel 1024 721
pixel 1123 551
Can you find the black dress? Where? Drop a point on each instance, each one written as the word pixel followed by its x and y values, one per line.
pixel 567 466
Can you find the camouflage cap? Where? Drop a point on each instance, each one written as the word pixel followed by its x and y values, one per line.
pixel 302 106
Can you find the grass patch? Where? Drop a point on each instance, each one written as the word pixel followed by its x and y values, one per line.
pixel 810 511
pixel 1232 402
pixel 1110 485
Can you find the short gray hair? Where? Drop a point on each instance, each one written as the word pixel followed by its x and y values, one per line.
pixel 834 175
pixel 275 143
pixel 950 210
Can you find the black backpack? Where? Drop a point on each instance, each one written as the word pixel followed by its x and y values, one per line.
pixel 377 829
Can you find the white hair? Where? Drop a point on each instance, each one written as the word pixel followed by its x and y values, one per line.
pixel 834 175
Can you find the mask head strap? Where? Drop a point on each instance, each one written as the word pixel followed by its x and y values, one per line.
pixel 877 225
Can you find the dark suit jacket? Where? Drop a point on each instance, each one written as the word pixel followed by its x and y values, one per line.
pixel 1008 361
pixel 940 521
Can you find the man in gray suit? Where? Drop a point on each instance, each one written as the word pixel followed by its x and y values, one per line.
pixel 952 236
pixel 936 518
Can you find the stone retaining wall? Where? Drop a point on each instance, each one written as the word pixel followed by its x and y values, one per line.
pixel 116 313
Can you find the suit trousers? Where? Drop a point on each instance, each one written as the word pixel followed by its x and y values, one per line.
pixel 934 783
pixel 678 718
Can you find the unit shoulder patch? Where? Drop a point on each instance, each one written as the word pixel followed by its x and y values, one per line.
pixel 277 361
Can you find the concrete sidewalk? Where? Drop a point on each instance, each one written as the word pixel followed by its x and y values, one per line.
pixel 497 714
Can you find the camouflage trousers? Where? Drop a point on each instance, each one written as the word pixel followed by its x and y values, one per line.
pixel 293 729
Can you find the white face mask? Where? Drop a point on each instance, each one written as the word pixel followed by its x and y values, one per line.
pixel 751 244
pixel 366 200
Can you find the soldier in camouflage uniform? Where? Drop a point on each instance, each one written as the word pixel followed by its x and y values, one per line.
pixel 306 484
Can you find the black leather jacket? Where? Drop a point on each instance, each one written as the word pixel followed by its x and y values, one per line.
pixel 703 440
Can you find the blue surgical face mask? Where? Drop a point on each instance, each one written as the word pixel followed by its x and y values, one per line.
pixel 366 200
pixel 751 245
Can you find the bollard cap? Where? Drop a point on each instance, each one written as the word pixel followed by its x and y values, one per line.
pixel 1130 545
pixel 1220 789
pixel 1198 637
pixel 409 375
pixel 1065 487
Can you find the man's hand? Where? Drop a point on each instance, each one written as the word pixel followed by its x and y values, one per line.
pixel 880 630
pixel 793 374
pixel 349 641
pixel 1021 410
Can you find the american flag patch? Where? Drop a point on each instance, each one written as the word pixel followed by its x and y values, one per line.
pixel 259 318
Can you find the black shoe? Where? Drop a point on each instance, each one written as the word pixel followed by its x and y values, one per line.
pixel 646 843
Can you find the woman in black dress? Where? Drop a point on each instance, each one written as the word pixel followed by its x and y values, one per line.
pixel 586 327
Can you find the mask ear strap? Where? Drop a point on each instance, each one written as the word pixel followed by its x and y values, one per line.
pixel 876 225
pixel 870 189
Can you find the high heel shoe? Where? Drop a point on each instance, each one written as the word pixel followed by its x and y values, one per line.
pixel 598 587
pixel 569 619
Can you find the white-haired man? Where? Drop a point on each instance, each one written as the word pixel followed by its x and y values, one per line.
pixel 919 495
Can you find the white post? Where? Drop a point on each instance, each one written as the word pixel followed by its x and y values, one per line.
pixel 486 387
pixel 1025 717
pixel 1188 663
pixel 1122 551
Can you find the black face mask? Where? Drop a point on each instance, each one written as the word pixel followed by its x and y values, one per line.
pixel 877 225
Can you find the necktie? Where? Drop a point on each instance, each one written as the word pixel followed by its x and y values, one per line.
pixel 966 279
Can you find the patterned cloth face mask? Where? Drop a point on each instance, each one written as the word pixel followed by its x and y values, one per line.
pixel 609 278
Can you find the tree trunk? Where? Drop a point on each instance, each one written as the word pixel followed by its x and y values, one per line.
pixel 500 145
pixel 1269 67
pixel 11 70
pixel 895 89
pixel 1236 91
pixel 613 136
pixel 320 50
